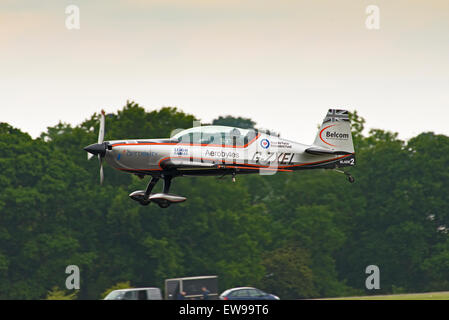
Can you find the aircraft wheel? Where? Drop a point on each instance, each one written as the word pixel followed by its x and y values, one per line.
pixel 351 179
pixel 164 204
pixel 144 203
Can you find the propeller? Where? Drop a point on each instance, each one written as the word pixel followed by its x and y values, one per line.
pixel 101 169
pixel 98 149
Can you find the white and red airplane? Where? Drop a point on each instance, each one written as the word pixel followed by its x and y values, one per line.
pixel 221 150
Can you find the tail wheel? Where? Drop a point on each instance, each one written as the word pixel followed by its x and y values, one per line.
pixel 351 179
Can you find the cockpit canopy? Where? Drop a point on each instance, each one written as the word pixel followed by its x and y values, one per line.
pixel 217 135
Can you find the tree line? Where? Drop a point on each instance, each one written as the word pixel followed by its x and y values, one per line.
pixel 298 235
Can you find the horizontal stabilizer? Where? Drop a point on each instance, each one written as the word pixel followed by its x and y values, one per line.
pixel 321 151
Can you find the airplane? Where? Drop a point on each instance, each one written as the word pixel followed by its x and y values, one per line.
pixel 222 150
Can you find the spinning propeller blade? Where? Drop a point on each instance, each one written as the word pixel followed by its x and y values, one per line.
pixel 99 148
pixel 101 131
pixel 101 169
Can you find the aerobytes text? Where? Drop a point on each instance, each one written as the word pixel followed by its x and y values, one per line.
pixel 222 154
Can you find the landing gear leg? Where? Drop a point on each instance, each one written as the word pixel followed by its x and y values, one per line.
pixel 150 186
pixel 167 183
pixel 145 201
pixel 163 203
pixel 350 178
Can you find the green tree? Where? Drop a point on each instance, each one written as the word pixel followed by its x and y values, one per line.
pixel 239 122
pixel 288 273
pixel 57 294
pixel 117 286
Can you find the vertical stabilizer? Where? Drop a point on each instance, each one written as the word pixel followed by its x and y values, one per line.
pixel 335 132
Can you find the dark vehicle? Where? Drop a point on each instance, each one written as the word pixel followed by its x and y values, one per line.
pixel 191 288
pixel 246 293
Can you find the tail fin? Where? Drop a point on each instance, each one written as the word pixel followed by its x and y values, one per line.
pixel 335 132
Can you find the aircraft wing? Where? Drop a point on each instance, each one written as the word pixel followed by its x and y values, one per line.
pixel 185 164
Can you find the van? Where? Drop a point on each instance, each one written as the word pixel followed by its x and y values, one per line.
pixel 135 294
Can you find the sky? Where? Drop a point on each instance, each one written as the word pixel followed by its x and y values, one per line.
pixel 281 63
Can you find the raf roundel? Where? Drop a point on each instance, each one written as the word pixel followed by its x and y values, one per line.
pixel 265 143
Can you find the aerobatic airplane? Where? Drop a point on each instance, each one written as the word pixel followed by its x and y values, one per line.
pixel 221 150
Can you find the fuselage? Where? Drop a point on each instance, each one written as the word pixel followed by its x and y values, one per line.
pixel 263 154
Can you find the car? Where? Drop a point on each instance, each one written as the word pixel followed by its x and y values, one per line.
pixel 246 293
pixel 135 294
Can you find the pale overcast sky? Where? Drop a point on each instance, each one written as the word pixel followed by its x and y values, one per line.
pixel 281 63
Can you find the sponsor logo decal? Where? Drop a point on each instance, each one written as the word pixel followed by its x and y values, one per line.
pixel 179 151
pixel 333 135
pixel 130 154
pixel 264 143
pixel 337 135
pixel 281 144
pixel 222 154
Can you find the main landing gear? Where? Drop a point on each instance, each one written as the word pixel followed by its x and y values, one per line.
pixel 350 178
pixel 163 199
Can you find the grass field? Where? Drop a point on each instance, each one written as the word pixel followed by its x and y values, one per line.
pixel 412 296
